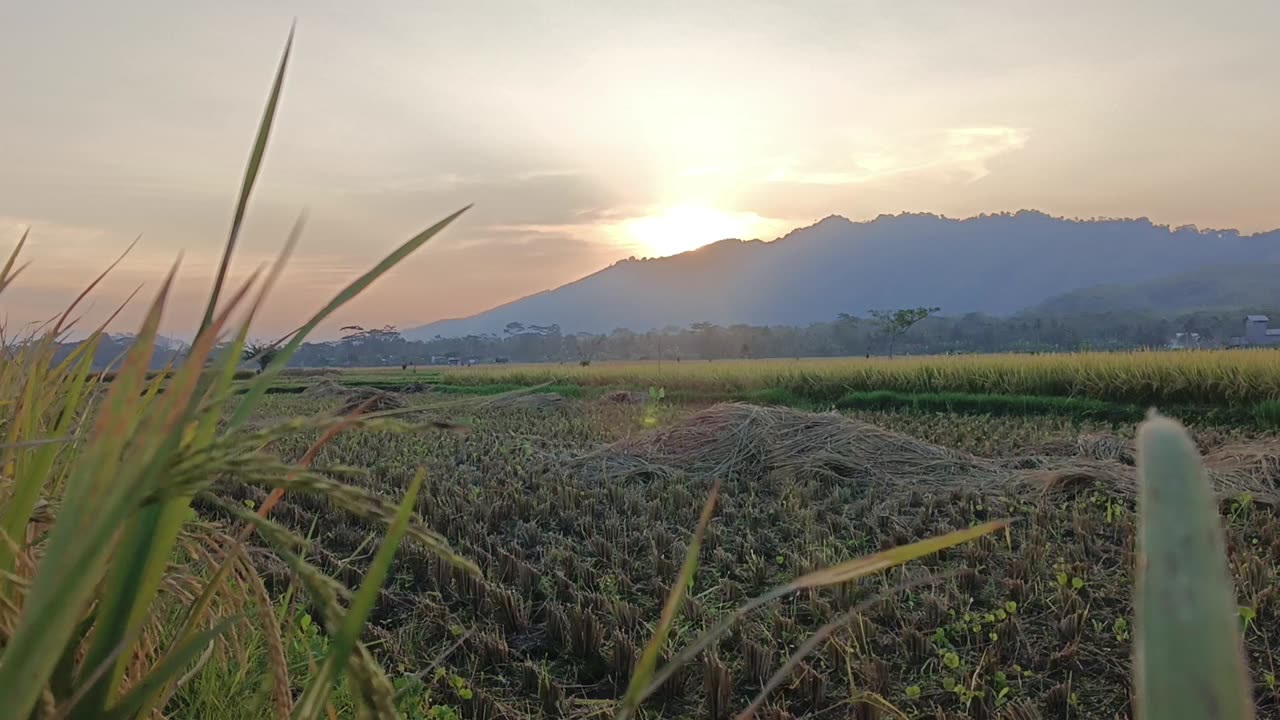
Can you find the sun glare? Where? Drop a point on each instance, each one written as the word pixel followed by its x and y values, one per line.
pixel 687 227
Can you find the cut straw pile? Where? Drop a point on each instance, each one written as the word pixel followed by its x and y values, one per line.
pixel 371 400
pixel 744 443
pixel 324 387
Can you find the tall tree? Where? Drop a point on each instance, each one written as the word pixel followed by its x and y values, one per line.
pixel 260 353
pixel 895 323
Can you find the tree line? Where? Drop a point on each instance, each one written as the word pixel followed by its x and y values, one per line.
pixel 910 331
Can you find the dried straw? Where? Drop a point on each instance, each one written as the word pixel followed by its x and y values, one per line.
pixel 747 443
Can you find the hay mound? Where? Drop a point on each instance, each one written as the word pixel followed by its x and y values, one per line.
pixel 1094 446
pixel 532 401
pixel 371 400
pixel 738 441
pixel 746 443
pixel 325 386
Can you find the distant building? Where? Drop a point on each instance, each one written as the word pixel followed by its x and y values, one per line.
pixel 1185 341
pixel 1258 332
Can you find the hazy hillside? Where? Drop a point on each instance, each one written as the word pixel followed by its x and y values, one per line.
pixel 113 346
pixel 997 264
pixel 1214 287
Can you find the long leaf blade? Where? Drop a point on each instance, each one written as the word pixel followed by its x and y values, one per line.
pixel 344 643
pixel 259 386
pixel 844 572
pixel 136 702
pixel 649 660
pixel 250 177
pixel 94 508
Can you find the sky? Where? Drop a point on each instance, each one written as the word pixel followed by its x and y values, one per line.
pixel 587 132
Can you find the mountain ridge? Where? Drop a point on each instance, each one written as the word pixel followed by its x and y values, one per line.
pixel 1206 289
pixel 998 264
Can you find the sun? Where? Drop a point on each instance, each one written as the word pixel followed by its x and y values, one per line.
pixel 682 228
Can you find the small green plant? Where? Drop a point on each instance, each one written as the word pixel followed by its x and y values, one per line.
pixel 1247 616
pixel 654 408
pixel 1120 628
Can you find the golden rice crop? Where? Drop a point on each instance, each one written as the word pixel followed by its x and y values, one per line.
pixel 1199 377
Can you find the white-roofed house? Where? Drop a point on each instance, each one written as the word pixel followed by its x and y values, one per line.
pixel 1258 331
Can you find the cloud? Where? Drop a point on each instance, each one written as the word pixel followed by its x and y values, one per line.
pixel 950 154
pixel 525 197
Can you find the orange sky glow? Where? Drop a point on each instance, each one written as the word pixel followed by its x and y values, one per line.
pixel 588 133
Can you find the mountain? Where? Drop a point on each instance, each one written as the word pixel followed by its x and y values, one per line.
pixel 112 348
pixel 995 264
pixel 1210 288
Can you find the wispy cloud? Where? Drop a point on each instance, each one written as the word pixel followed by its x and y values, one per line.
pixel 953 153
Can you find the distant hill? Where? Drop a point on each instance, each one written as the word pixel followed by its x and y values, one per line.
pixel 113 346
pixel 1210 288
pixel 995 264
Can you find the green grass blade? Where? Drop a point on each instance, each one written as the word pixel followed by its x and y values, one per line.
pixel 7 273
pixel 138 700
pixel 31 480
pixel 1188 661
pixel 344 642
pixel 649 660
pixel 147 540
pixel 95 507
pixel 62 319
pixel 28 484
pixel 250 177
pixel 259 386
pixel 62 681
pixel 844 572
pixel 222 381
pixel 863 566
pixel 810 645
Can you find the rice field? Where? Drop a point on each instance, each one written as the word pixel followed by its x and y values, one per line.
pixel 579 512
pixel 1211 377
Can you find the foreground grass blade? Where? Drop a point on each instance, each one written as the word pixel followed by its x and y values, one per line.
pixel 344 642
pixel 62 319
pixel 136 702
pixel 147 541
pixel 250 177
pixel 1188 662
pixel 260 384
pixel 808 647
pixel 34 476
pixel 649 660
pixel 7 273
pixel 844 572
pixel 96 506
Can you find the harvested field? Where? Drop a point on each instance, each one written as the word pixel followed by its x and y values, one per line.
pixel 533 401
pixel 580 518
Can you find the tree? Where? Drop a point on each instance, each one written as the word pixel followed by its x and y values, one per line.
pixel 895 323
pixel 261 353
pixel 845 333
pixel 357 334
pixel 588 345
